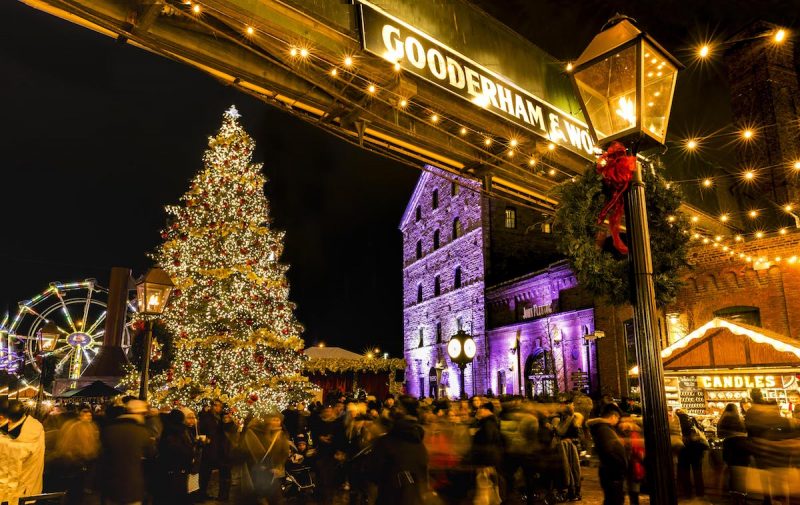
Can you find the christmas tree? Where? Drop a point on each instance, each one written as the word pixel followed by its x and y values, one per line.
pixel 235 334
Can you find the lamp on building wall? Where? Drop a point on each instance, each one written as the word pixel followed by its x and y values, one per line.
pixel 461 349
pixel 625 82
pixel 152 294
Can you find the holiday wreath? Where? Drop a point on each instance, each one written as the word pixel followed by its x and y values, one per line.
pixel 597 260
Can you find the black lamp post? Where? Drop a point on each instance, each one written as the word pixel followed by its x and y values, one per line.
pixel 152 293
pixel 46 337
pixel 461 349
pixel 625 81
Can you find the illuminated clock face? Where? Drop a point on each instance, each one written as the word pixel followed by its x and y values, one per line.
pixel 454 348
pixel 469 348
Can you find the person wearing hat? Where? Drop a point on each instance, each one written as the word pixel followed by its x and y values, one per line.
pixel 126 442
pixel 611 451
pixel 176 457
pixel 23 448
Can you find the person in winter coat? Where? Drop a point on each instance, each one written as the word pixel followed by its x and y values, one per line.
pixel 209 424
pixel 630 430
pixel 23 451
pixel 611 452
pixel 77 446
pixel 735 453
pixel 126 443
pixel 229 442
pixel 176 457
pixel 399 460
pixel 690 457
pixel 267 445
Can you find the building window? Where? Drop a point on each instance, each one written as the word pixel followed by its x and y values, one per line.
pixel 456 228
pixel 547 228
pixel 457 278
pixel 438 333
pixel 421 337
pixel 419 249
pixel 437 286
pixel 501 382
pixel 741 314
pixel 419 293
pixel 435 240
pixel 419 213
pixel 435 199
pixel 459 323
pixel 454 189
pixel 511 217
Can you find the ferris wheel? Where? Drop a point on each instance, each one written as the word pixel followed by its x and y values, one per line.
pixel 78 310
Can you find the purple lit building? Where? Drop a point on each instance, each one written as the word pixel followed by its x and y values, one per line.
pixel 491 268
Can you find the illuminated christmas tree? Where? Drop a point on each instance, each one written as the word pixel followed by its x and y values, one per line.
pixel 235 334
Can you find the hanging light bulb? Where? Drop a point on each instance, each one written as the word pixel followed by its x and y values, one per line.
pixel 371 88
pixel 434 118
pixel 753 213
pixel 334 72
pixel 487 141
pixel 788 207
pixel 724 218
pixel 780 35
pixel 463 131
pixel 749 175
pixel 532 162
pixel 196 8
pixel 514 142
pixel 707 183
pixel 747 133
pixel 348 61
pixel 704 51
pixel 250 30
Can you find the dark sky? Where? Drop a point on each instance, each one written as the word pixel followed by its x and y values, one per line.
pixel 97 137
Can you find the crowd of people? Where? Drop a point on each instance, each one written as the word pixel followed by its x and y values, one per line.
pixel 362 451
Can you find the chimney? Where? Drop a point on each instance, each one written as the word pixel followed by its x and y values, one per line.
pixel 110 361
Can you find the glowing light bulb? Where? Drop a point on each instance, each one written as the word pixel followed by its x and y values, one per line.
pixel 741 255
pixel 532 162
pixel 779 36
pixel 463 131
pixel 759 234
pixel 749 175
pixel 753 213
pixel 434 118
pixel 551 147
pixel 250 30
pixel 514 142
pixel 718 238
pixel 782 231
pixel 788 207
pixel 691 144
pixel 304 53
pixel 348 61
pixel 707 183
pixel 487 141
pixel 796 165
pixel 334 72
pixel 704 51
pixel 371 88
pixel 397 67
pixel 510 153
pixel 552 172
pixel 626 110
pixel 569 67
pixel 724 218
pixel 293 52
pixel 706 241
pixel 403 103
pixel 671 219
pixel 696 236
pixel 738 238
pixel 695 219
pixel 747 134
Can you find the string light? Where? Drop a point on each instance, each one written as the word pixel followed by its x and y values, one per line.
pixel 397 67
pixel 738 238
pixel 691 144
pixel 348 61
pixel 514 142
pixel 569 67
pixel 753 213
pixel 749 175
pixel 551 146
pixel 487 141
pixel 510 153
pixel 779 36
pixel 532 162
pixel 304 52
pixel 707 183
pixel 747 134
pixel 403 103
pixel 704 51
pixel 249 30
pixel 371 88
pixel 434 118
pixel 552 172
pixel 334 72
pixel 782 231
pixel 695 219
pixel 196 8
pixel 463 130
pixel 796 165
pixel 723 218
pixel 671 219
pixel 759 234
pixel 293 52
pixel 788 207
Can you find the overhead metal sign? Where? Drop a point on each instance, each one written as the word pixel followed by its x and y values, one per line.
pixel 396 41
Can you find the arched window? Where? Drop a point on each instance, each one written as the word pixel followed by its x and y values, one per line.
pixel 419 213
pixel 453 189
pixel 435 199
pixel 437 286
pixel 436 240
pixel 457 278
pixel 438 333
pixel 419 249
pixel 456 228
pixel 419 293
pixel 511 217
pixel 421 338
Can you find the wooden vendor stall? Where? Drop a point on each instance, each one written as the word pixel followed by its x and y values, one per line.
pixel 334 369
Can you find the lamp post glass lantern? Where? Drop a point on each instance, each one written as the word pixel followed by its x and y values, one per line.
pixel 48 337
pixel 461 348
pixel 152 294
pixel 625 82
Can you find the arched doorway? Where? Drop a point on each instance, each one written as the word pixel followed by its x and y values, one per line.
pixel 433 383
pixel 539 377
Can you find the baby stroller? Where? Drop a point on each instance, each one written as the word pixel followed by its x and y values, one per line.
pixel 298 485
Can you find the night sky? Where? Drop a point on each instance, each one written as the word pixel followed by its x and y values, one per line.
pixel 98 136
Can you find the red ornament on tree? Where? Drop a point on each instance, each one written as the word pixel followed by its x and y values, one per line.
pixel 254 397
pixel 616 168
pixel 187 365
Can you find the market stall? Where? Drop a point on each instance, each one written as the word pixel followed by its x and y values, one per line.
pixel 334 369
pixel 724 361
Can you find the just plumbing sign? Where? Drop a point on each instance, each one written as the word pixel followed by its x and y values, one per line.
pixel 394 40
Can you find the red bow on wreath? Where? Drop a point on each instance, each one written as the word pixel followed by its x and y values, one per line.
pixel 616 169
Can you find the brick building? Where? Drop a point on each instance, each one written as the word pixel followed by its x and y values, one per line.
pixel 490 267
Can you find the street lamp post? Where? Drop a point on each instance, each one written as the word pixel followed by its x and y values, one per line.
pixel 461 349
pixel 47 337
pixel 625 81
pixel 152 293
